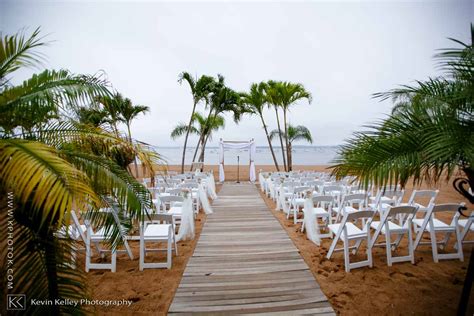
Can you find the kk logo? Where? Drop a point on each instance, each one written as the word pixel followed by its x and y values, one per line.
pixel 16 302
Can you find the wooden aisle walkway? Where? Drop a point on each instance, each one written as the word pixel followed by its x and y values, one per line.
pixel 245 263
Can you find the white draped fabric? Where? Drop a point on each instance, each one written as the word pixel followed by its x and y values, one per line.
pixel 262 182
pixel 221 162
pixel 250 145
pixel 211 186
pixel 252 162
pixel 312 231
pixel 186 227
pixel 204 201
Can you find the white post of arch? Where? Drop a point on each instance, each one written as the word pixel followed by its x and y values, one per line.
pixel 250 145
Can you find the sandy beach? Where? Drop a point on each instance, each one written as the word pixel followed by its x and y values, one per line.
pixel 426 288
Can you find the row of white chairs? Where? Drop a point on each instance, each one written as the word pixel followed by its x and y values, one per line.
pixel 160 226
pixel 338 208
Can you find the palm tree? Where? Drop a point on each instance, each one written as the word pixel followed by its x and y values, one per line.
pixel 53 167
pixel 128 112
pixel 202 125
pixel 273 98
pixel 223 99
pixel 110 105
pixel 290 93
pixel 295 133
pixel 200 88
pixel 255 100
pixel 429 135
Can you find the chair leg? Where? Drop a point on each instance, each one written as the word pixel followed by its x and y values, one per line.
pixel 331 249
pixel 169 253
pixel 142 252
pixel 388 248
pixel 88 255
pixel 175 244
pixel 346 256
pixel 434 245
pixel 114 261
pixel 369 250
pixel 459 244
pixel 411 249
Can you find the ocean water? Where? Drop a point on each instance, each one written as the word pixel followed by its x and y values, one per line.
pixel 302 155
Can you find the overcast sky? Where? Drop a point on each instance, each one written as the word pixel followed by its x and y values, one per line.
pixel 341 51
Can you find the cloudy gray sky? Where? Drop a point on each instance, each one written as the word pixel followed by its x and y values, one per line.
pixel 342 51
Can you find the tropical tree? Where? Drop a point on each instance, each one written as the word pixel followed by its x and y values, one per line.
pixel 255 101
pixel 53 167
pixel 288 94
pixel 430 133
pixel 91 116
pixel 273 99
pixel 201 127
pixel 200 89
pixel 295 133
pixel 222 100
pixel 110 105
pixel 128 112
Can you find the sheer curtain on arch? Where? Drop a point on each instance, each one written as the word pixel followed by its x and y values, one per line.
pixel 249 145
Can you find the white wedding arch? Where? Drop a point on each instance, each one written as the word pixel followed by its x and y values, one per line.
pixel 250 145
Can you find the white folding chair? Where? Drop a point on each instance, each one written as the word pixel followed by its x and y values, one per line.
pixel 347 232
pixel 385 199
pixel 322 209
pixel 467 226
pixel 348 204
pixel 297 201
pixel 173 206
pixel 74 231
pixel 435 226
pixel 388 228
pixel 414 200
pixel 155 231
pixel 104 235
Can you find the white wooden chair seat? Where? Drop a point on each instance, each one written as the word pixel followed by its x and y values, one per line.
pixel 353 232
pixel 175 211
pixel 299 201
pixel 382 206
pixel 155 231
pixel 344 209
pixel 420 207
pixel 383 199
pixel 72 232
pixel 439 226
pixel 394 228
pixel 319 212
pixel 463 223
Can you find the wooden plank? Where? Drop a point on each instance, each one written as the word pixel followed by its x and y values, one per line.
pixel 245 262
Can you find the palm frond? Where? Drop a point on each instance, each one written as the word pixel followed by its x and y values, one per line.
pixel 35 172
pixel 181 130
pixel 17 51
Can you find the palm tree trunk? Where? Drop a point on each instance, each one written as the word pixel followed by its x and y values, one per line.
pixel 290 156
pixel 286 141
pixel 130 140
pixel 186 138
pixel 281 139
pixel 207 133
pixel 195 152
pixel 269 143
